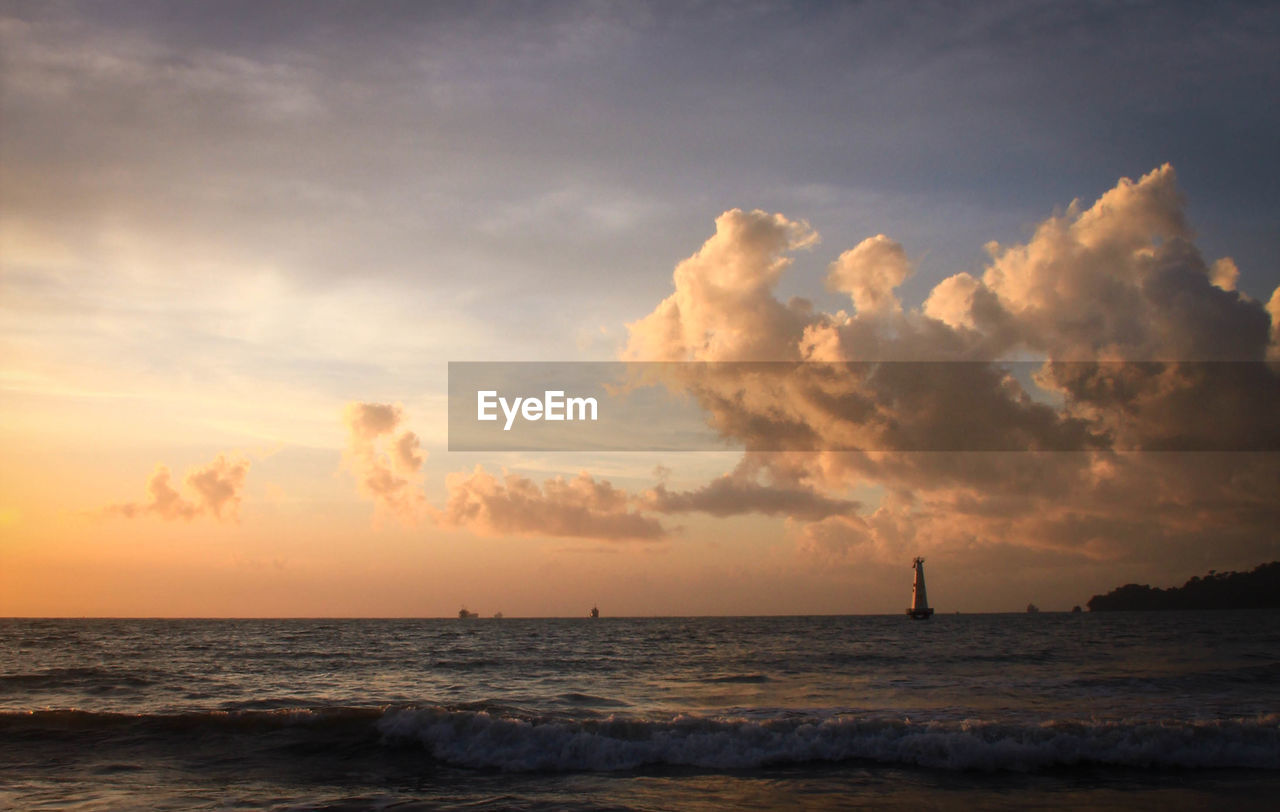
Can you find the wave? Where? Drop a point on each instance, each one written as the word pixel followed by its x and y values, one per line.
pixel 482 740
pixel 1259 675
pixel 745 679
pixel 91 678
pixel 503 739
pixel 158 727
pixel 577 698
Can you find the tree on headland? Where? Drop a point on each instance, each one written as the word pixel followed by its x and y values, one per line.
pixel 1257 589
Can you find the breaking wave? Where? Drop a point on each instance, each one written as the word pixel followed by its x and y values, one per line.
pixel 478 739
pixel 507 740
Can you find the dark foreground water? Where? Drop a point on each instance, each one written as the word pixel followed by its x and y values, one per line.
pixel 1126 710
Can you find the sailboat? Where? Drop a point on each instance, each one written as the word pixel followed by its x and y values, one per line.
pixel 919 599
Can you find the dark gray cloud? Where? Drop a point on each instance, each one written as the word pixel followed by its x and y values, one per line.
pixel 740 492
pixel 345 140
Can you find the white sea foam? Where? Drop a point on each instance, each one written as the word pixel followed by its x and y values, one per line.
pixel 481 739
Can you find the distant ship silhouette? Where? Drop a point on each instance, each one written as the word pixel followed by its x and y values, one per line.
pixel 595 611
pixel 463 614
pixel 919 599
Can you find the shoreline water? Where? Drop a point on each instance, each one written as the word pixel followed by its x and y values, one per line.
pixel 997 711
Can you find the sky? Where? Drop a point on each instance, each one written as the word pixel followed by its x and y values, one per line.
pixel 240 243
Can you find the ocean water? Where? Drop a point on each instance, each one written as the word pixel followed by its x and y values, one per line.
pixel 1119 710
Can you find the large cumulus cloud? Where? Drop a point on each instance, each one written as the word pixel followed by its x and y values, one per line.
pixel 1143 345
pixel 1144 427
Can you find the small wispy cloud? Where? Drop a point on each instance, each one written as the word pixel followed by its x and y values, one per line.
pixel 386 464
pixel 216 493
pixel 580 507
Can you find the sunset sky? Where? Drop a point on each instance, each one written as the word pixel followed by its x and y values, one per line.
pixel 240 243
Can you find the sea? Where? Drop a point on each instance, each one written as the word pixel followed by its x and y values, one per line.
pixel 1123 710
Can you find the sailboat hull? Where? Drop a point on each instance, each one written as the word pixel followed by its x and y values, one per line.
pixel 920 614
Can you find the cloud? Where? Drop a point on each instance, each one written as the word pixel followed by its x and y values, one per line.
pixel 582 507
pixel 388 473
pixel 388 464
pixel 869 273
pixel 1123 280
pixel 1139 340
pixel 740 492
pixel 217 489
pixel 1273 309
pixel 1142 345
pixel 723 307
pixel 1223 273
